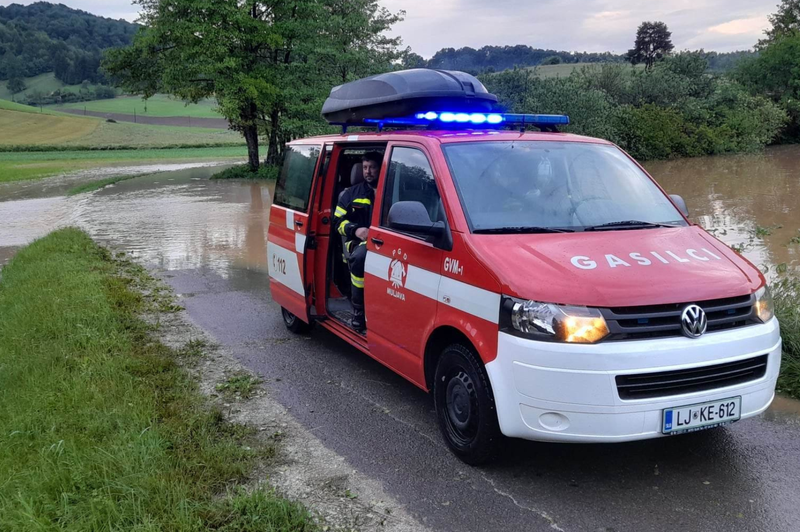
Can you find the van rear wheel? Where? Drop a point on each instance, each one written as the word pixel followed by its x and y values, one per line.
pixel 293 323
pixel 465 405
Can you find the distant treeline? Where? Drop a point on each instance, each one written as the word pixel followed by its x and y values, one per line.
pixel 44 37
pixel 499 58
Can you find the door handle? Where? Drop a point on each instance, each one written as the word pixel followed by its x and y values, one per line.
pixel 298 223
pixel 377 241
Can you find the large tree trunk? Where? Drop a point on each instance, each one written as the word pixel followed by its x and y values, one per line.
pixel 251 137
pixel 274 152
pixel 250 132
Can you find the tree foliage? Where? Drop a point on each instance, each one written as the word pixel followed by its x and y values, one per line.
pixel 16 85
pixel 653 43
pixel 269 63
pixel 676 110
pixel 43 37
pixel 785 23
pixel 775 72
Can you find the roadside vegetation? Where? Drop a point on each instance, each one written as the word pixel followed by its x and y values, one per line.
pixel 786 294
pixel 101 427
pixel 97 185
pixel 242 171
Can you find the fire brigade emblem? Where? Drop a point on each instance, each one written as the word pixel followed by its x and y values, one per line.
pixel 397 271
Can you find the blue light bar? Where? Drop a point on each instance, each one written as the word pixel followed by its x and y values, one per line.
pixel 461 118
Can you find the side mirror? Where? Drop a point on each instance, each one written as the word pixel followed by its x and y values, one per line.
pixel 412 217
pixel 680 203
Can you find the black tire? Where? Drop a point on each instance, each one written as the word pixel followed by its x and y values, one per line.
pixel 465 405
pixel 293 323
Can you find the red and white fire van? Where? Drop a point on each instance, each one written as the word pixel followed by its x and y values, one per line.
pixel 540 284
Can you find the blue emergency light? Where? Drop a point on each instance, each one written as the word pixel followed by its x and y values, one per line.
pixel 447 118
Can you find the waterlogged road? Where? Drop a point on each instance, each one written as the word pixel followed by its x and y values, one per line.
pixel 207 239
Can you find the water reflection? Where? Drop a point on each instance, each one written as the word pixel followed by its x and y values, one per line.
pixel 748 201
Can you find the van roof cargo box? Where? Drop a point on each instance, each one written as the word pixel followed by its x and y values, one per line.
pixel 405 93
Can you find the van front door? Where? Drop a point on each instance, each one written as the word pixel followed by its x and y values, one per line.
pixel 288 256
pixel 403 269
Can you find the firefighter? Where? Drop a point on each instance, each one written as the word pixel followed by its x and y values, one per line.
pixel 351 220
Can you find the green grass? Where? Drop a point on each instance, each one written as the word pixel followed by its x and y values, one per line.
pixel 44 83
pixel 101 428
pixel 243 172
pixel 158 105
pixel 786 294
pixel 239 385
pixel 8 105
pixel 22 166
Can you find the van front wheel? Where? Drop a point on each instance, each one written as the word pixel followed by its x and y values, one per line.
pixel 465 405
pixel 293 323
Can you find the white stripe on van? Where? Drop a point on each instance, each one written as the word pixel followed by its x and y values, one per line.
pixel 284 267
pixel 457 294
pixel 470 299
pixel 300 242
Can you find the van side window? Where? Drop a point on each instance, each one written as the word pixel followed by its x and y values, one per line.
pixel 294 184
pixel 410 178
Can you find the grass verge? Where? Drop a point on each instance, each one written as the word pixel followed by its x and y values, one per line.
pixel 243 172
pixel 101 428
pixel 786 294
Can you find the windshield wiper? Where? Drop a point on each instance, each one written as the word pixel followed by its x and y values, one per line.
pixel 625 224
pixel 520 230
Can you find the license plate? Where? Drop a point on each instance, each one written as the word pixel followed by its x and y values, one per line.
pixel 701 416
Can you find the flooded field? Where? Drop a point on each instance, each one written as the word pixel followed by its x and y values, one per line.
pixel 176 219
pixel 750 202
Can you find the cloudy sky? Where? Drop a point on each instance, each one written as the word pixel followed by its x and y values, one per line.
pixel 573 25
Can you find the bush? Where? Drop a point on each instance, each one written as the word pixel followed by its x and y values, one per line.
pixel 552 60
pixel 786 294
pixel 243 172
pixel 103 92
pixel 675 110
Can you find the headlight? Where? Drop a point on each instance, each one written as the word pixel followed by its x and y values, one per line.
pixel 554 323
pixel 764 307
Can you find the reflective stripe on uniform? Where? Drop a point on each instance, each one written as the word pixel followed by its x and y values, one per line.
pixel 339 212
pixel 358 282
pixel 365 201
pixel 342 227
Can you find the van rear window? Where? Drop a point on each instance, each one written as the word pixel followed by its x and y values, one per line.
pixel 294 184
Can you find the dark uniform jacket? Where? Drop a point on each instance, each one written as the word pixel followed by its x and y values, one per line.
pixel 354 210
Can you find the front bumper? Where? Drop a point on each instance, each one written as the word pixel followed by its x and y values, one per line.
pixel 564 392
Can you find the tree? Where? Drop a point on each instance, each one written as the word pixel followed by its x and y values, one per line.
pixel 553 60
pixel 268 63
pixel 653 43
pixel 16 85
pixel 412 60
pixel 785 22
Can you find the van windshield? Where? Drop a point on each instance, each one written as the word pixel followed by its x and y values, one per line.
pixel 534 186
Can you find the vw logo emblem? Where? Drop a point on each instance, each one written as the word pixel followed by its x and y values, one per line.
pixel 693 321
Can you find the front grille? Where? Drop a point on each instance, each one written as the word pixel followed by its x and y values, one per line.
pixel 658 321
pixel 666 383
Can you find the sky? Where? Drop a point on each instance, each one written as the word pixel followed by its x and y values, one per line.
pixel 570 25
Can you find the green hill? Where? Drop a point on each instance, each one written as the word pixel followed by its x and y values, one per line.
pixel 44 37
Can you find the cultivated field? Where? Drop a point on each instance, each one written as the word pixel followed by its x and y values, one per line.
pixel 158 105
pixel 23 125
